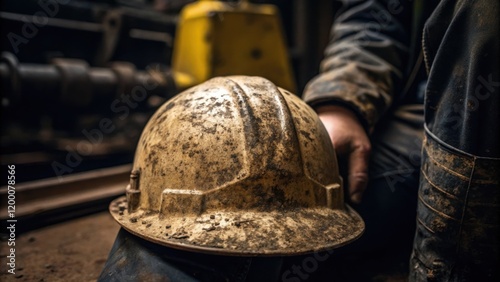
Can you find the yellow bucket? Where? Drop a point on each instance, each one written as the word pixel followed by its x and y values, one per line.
pixel 217 38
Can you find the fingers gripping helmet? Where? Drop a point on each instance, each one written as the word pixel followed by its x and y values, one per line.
pixel 237 166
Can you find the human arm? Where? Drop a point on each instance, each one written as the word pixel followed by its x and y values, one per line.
pixel 362 70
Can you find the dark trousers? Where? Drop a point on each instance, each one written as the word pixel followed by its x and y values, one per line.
pixel 457 222
pixel 134 259
pixel 457 236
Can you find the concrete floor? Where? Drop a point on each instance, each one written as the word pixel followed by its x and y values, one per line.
pixel 70 251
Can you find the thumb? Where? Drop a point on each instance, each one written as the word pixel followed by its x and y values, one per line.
pixel 358 172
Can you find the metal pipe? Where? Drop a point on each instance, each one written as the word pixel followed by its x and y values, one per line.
pixel 72 83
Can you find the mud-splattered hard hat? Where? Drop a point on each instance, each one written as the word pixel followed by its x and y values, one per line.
pixel 237 166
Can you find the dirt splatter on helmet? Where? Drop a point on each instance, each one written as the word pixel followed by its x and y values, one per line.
pixel 237 166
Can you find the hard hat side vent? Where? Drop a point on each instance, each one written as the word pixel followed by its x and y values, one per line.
pixel 133 192
pixel 181 202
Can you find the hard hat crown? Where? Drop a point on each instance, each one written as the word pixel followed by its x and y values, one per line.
pixel 232 149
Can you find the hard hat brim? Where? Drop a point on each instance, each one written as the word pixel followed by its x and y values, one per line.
pixel 250 233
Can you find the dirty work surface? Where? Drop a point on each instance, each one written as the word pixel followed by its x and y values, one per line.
pixel 70 251
pixel 76 250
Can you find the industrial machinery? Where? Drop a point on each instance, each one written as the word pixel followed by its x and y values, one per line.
pixel 80 79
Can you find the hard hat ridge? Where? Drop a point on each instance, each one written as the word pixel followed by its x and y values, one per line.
pixel 233 159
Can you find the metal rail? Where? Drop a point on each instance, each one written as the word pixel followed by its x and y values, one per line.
pixel 47 201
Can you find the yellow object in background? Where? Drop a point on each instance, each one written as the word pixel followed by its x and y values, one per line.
pixel 217 38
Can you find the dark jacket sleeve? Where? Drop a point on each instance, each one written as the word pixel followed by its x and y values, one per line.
pixel 365 61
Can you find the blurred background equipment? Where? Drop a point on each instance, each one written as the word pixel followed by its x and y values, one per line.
pixel 80 79
pixel 217 39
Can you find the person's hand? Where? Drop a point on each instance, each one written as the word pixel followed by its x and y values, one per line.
pixel 351 143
